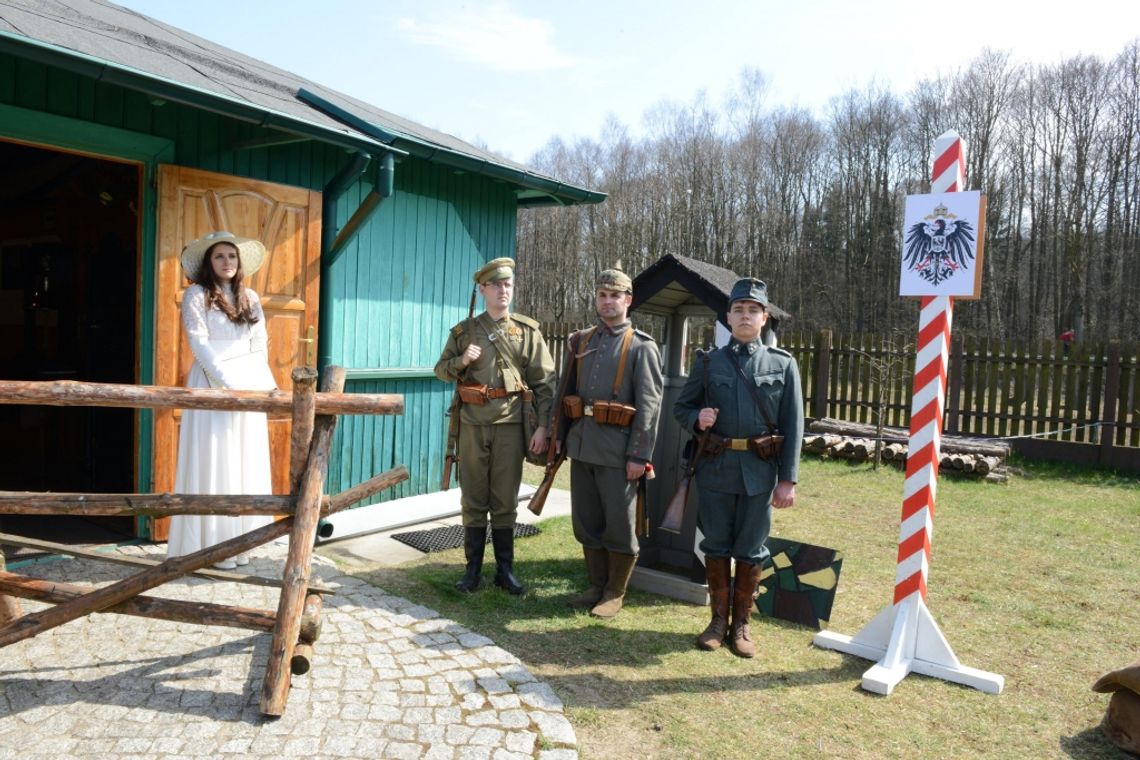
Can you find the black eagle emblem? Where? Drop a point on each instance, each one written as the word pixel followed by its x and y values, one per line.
pixel 937 248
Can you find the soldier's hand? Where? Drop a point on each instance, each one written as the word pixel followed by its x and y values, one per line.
pixel 538 441
pixel 634 470
pixel 785 494
pixel 706 418
pixel 472 353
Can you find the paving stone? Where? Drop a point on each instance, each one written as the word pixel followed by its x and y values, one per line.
pixel 393 679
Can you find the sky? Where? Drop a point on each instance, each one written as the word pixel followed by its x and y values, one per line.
pixel 511 76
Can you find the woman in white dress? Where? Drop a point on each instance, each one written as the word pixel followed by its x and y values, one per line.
pixel 222 452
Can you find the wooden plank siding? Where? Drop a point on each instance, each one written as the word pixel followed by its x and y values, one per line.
pixel 397 288
pixel 396 295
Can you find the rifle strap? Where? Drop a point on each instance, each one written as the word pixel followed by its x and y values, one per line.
pixel 751 386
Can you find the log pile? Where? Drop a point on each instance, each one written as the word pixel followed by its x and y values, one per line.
pixel 959 455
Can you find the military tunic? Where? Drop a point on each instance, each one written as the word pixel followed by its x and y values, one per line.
pixel 603 502
pixel 491 439
pixel 735 488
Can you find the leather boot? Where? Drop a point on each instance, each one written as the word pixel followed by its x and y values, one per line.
pixel 717 573
pixel 743 597
pixel 597 571
pixel 503 539
pixel 618 569
pixel 474 542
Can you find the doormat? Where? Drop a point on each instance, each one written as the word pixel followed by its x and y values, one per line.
pixel 450 537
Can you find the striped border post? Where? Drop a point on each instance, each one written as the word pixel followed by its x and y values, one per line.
pixel 904 638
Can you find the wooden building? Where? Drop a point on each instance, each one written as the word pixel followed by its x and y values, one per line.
pixel 122 138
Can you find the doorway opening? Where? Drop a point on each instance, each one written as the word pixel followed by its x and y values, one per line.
pixel 69 281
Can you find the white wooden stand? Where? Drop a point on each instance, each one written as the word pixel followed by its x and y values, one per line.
pixel 905 639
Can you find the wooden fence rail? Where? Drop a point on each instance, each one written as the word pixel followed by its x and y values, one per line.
pixel 296 622
pixel 1080 406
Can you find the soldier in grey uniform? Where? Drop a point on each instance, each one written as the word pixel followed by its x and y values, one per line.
pixel 750 388
pixel 614 363
pixel 499 359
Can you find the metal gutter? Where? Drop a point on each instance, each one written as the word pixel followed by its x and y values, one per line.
pixel 171 90
pixel 559 191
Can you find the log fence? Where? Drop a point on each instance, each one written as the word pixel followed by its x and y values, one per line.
pixel 1081 407
pixel 296 624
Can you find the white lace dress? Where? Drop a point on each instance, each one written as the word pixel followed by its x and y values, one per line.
pixel 220 452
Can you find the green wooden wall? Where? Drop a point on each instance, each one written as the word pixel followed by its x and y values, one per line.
pixel 397 287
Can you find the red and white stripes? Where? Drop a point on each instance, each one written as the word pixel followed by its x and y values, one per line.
pixel 921 487
pixel 931 359
pixel 949 173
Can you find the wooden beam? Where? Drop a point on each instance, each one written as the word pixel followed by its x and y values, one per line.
pixel 200 613
pixel 156 504
pixel 116 558
pixel 304 411
pixel 74 393
pixel 275 689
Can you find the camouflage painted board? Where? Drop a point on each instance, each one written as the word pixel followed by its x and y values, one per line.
pixel 798 582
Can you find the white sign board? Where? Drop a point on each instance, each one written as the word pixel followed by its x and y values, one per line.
pixel 942 245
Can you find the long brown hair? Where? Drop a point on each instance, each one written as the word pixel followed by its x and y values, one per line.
pixel 241 310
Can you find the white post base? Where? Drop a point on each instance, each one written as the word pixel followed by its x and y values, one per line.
pixel 905 639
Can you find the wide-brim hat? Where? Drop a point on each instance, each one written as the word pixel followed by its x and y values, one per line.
pixel 251 252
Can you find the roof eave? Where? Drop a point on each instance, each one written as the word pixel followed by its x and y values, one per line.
pixel 112 73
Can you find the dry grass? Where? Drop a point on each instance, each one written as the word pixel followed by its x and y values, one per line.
pixel 1036 580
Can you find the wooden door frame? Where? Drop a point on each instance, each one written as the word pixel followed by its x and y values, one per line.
pixel 60 133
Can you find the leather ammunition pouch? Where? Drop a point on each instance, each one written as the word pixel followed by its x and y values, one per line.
pixel 573 408
pixel 766 446
pixel 473 393
pixel 614 413
pixel 479 394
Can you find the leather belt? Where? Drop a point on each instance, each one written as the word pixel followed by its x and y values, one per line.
pixel 503 393
pixel 729 444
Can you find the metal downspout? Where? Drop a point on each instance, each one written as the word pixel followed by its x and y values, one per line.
pixel 334 239
pixel 331 194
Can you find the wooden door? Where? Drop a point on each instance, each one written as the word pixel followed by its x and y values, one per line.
pixel 288 221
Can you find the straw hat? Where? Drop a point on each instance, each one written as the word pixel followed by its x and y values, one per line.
pixel 251 251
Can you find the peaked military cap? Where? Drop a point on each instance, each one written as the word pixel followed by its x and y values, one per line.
pixel 749 289
pixel 495 269
pixel 615 279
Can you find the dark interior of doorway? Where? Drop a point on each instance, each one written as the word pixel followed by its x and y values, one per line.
pixel 69 231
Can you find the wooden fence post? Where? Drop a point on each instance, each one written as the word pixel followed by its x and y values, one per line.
pixel 955 394
pixel 821 383
pixel 1108 415
pixel 9 605
pixel 275 689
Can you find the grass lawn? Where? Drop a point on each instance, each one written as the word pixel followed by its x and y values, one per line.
pixel 1036 580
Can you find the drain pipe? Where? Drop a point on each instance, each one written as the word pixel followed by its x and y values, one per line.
pixel 334 239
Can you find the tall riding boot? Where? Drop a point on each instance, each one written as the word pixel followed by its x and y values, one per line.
pixel 474 542
pixel 597 571
pixel 717 573
pixel 503 539
pixel 618 568
pixel 743 597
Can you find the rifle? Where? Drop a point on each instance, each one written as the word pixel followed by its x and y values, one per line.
pixel 641 517
pixel 452 457
pixel 675 511
pixel 553 460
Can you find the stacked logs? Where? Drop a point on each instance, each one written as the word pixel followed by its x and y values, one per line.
pixel 970 457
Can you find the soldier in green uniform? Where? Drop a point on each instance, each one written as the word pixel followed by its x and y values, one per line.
pixel 502 365
pixel 613 403
pixel 743 391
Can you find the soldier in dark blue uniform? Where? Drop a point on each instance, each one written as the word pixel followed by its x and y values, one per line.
pixel 744 391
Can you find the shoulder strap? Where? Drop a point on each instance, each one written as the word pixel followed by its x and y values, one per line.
pixel 621 362
pixel 751 386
